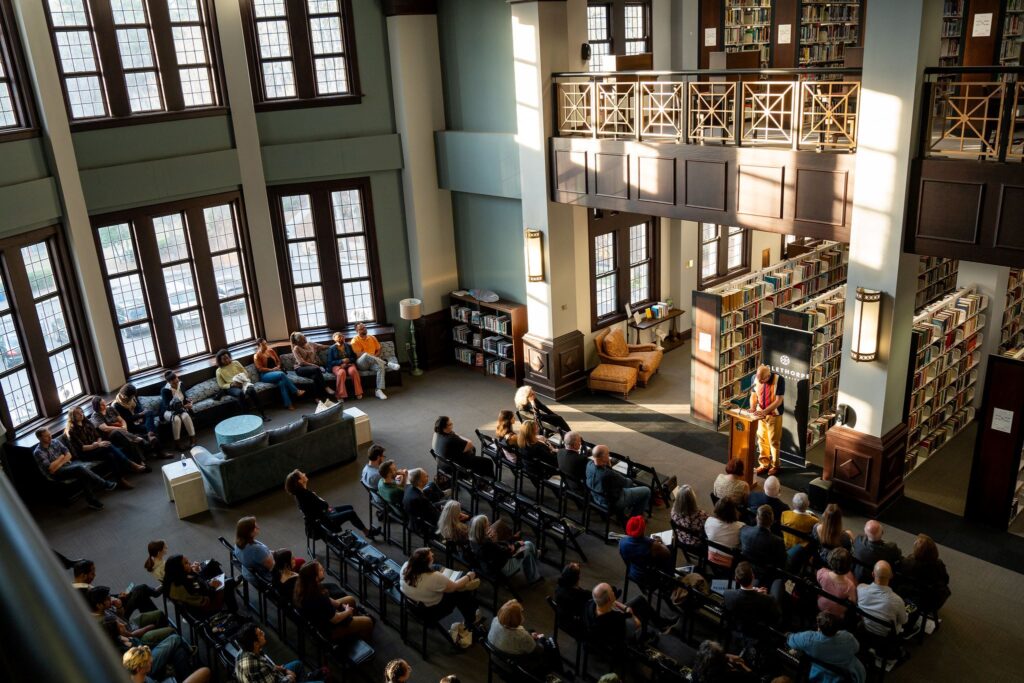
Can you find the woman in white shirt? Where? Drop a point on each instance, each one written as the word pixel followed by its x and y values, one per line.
pixel 724 529
pixel 157 550
pixel 435 591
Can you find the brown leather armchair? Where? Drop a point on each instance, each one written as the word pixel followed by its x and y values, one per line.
pixel 646 358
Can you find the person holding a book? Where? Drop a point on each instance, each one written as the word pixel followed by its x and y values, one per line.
pixel 766 395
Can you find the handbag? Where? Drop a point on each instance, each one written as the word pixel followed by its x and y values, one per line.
pixel 460 635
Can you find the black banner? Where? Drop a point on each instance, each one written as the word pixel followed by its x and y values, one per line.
pixel 787 351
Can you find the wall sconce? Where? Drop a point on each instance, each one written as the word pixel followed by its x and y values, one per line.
pixel 867 313
pixel 534 255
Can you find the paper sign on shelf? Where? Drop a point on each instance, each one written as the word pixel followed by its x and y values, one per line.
pixel 785 34
pixel 1002 420
pixel 982 25
pixel 704 341
pixel 711 37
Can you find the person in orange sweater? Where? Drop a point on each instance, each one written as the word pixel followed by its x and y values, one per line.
pixel 367 350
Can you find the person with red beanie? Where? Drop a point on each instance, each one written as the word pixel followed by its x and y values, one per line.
pixel 642 553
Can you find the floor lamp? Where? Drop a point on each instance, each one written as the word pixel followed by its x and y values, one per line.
pixel 412 310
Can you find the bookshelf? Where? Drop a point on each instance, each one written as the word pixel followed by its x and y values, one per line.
pixel 945 351
pixel 827 27
pixel 727 318
pixel 1013 33
pixel 488 337
pixel 936 277
pixel 748 27
pixel 822 315
pixel 1012 332
pixel 952 40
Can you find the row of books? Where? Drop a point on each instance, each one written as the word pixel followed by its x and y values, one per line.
pixel 846 11
pixel 820 54
pixel 736 372
pixel 499 346
pixel 497 323
pixel 740 351
pixel 936 277
pixel 830 349
pixel 463 334
pixel 747 35
pixel 829 33
pixel 469 356
pixel 951 388
pixel 828 368
pixel 953 423
pixel 499 367
pixel 1012 332
pixel 466 314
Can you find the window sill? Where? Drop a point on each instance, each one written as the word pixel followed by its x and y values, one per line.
pixel 142 119
pixel 607 321
pixel 285 105
pixel 722 279
pixel 20 134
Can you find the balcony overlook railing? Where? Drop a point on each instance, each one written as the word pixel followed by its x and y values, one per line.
pixel 973 113
pixel 801 109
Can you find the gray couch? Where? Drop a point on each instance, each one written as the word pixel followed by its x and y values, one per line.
pixel 261 463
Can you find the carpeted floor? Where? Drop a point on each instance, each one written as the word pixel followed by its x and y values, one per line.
pixel 979 635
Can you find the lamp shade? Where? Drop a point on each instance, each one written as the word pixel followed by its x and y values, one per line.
pixel 867 312
pixel 411 309
pixel 534 255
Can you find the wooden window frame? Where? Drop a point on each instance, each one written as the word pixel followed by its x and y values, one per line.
pixel 610 39
pixel 154 289
pixel 603 223
pixel 16 77
pixel 325 236
pixel 723 272
pixel 111 72
pixel 646 19
pixel 36 357
pixel 304 69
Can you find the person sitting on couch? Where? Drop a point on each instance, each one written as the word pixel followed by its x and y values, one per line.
pixel 139 421
pixel 56 460
pixel 341 360
pixel 232 378
pixel 84 438
pixel 367 350
pixel 307 363
pixel 177 409
pixel 268 364
pixel 316 510
pixel 113 428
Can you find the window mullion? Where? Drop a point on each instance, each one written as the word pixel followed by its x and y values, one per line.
pixel 35 357
pixel 152 270
pixel 302 53
pixel 166 58
pixel 109 58
pixel 327 251
pixel 723 250
pixel 206 283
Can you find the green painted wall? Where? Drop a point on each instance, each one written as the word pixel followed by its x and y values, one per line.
pixel 489 244
pixel 481 163
pixel 152 141
pixel 28 194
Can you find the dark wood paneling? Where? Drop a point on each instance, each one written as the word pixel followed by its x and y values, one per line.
pixel 656 180
pixel 760 190
pixel 966 209
pixel 611 175
pixel 555 367
pixel 433 339
pixel 866 470
pixel 570 172
pixel 982 51
pixel 710 17
pixel 997 453
pixel 397 7
pixel 820 196
pixel 785 12
pixel 705 184
pixel 707 310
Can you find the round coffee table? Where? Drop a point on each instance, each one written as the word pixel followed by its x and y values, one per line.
pixel 237 428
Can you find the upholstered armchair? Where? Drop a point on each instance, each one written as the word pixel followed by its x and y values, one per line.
pixel 612 348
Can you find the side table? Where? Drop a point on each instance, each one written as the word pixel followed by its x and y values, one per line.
pixel 364 434
pixel 184 486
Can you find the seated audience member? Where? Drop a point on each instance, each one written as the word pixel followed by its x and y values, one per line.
pixel 509 637
pixel 502 558
pixel 390 486
pixel 610 623
pixel 611 489
pixel 140 661
pixel 139 421
pixel 730 484
pixel 760 545
pixel 307 364
pixel 440 595
pixel 368 350
pixel 286 574
pixel 87 444
pixel 879 600
pixel 114 429
pixel 397 671
pixel 450 446
pixel 186 588
pixel 829 533
pixel 534 449
pixel 337 619
pixel 341 360
pixel 832 646
pixel 253 666
pixel 233 379
pixel 177 409
pixel 800 519
pixel 139 598
pixel 641 553
pixel 370 475
pixel 714 665
pixel 255 557
pixel 572 464
pixel 149 627
pixel 451 525
pixel 530 407
pixel 926 581
pixel 571 600
pixel 770 497
pixel 869 548
pixel 155 553
pixel 723 528
pixel 268 365
pixel 505 428
pixel 837 579
pixel 752 607
pixel 687 517
pixel 316 510
pixel 418 507
pixel 56 460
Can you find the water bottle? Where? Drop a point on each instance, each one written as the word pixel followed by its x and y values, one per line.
pixel 184 460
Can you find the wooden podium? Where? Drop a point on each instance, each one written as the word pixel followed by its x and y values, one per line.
pixel 743 441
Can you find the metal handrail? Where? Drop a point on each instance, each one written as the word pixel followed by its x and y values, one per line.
pixel 812 71
pixel 47 631
pixel 950 70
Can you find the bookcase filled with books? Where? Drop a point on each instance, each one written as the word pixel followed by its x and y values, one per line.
pixel 488 336
pixel 936 277
pixel 727 318
pixel 747 26
pixel 1013 33
pixel 822 315
pixel 952 41
pixel 1012 332
pixel 827 28
pixel 945 351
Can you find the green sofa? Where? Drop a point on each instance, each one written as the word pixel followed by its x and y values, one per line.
pixel 261 463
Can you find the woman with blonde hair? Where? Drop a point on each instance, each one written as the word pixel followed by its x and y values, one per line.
pixel 450 526
pixel 86 443
pixel 509 637
pixel 534 448
pixel 529 406
pixel 829 533
pixel 307 363
pixel 687 518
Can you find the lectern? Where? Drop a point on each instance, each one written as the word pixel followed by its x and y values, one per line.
pixel 743 440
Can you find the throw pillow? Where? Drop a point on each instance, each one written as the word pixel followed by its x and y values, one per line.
pixel 245 446
pixel 288 432
pixel 203 390
pixel 615 344
pixel 324 417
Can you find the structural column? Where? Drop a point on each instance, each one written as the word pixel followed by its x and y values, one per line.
pixel 35 36
pixel 865 458
pixel 542 45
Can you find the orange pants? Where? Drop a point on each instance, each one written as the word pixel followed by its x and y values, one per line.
pixel 769 434
pixel 352 371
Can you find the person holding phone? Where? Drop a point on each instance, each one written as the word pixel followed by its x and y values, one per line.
pixel 185 587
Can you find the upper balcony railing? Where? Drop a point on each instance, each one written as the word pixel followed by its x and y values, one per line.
pixel 973 112
pixel 783 108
